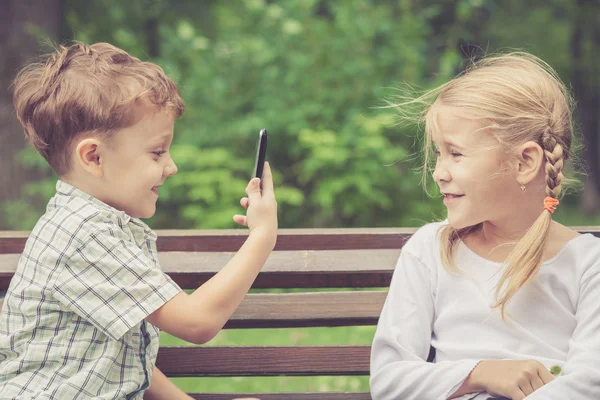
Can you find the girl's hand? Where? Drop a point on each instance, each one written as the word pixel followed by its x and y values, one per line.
pixel 514 379
pixel 261 215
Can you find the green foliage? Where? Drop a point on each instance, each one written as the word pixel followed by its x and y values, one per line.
pixel 316 74
pixel 313 73
pixel 315 83
pixel 23 214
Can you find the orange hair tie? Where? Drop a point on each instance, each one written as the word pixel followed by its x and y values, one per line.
pixel 550 204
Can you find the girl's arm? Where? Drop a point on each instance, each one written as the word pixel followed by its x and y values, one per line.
pixel 161 388
pixel 581 372
pixel 401 345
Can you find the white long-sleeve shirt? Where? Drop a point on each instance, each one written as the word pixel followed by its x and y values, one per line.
pixel 555 320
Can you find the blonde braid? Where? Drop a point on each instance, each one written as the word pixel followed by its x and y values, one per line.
pixel 554 163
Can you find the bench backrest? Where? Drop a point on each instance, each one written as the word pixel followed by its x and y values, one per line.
pixel 309 259
pixel 344 259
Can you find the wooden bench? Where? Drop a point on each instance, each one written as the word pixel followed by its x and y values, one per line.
pixel 310 259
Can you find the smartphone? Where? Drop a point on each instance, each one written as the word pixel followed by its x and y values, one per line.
pixel 261 153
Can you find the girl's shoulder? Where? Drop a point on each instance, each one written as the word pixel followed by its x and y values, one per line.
pixel 569 248
pixel 424 243
pixel 563 239
pixel 428 232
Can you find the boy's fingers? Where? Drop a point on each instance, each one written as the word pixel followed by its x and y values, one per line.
pixel 244 202
pixel 240 219
pixel 253 189
pixel 267 181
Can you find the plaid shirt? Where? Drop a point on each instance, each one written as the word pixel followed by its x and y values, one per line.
pixel 72 325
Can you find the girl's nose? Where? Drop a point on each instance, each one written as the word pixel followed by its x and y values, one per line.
pixel 441 173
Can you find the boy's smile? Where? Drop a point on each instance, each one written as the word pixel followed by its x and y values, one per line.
pixel 127 171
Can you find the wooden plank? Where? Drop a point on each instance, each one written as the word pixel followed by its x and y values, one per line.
pixel 298 269
pixel 290 310
pixel 263 361
pixel 12 241
pixel 283 396
pixel 289 239
pixel 285 310
pixel 283 269
pixel 225 240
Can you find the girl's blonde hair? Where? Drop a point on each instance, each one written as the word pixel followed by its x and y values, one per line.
pixel 519 98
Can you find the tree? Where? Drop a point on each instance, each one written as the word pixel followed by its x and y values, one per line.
pixel 314 73
pixel 585 78
pixel 21 23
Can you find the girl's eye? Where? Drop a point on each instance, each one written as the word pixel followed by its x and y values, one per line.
pixel 437 152
pixel 158 153
pixel 456 154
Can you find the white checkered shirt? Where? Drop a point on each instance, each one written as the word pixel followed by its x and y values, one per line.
pixel 72 325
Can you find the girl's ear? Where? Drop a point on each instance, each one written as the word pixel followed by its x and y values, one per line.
pixel 530 158
pixel 88 156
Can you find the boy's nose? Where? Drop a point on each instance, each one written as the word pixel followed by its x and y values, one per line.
pixel 171 168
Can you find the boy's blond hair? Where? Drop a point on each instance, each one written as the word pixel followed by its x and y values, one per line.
pixel 86 90
pixel 518 98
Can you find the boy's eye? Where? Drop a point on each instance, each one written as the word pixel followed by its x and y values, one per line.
pixel 159 153
pixel 456 154
pixel 436 152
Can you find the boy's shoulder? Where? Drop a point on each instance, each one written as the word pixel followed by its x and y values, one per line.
pixel 72 217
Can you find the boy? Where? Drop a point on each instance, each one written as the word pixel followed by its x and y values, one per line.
pixel 83 311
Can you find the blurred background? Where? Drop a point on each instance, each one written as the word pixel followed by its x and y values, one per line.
pixel 315 74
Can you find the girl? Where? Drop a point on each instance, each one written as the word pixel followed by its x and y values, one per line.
pixel 499 290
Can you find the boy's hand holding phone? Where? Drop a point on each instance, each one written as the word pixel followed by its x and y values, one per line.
pixel 261 217
pixel 199 316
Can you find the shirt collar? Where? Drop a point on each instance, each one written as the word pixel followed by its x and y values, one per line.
pixel 66 192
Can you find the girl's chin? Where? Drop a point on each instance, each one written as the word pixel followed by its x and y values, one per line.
pixel 458 223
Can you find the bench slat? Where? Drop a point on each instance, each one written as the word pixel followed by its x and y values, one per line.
pixel 288 239
pixel 263 361
pixel 232 239
pixel 313 309
pixel 298 269
pixel 283 269
pixel 283 396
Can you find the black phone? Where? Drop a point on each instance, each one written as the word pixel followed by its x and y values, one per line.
pixel 261 153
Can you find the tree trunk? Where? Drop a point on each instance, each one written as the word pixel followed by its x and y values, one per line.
pixel 17 46
pixel 586 87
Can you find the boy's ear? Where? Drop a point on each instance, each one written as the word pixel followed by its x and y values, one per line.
pixel 88 155
pixel 530 159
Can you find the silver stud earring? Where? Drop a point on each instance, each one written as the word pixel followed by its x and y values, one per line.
pixel 523 187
